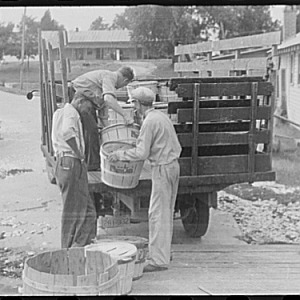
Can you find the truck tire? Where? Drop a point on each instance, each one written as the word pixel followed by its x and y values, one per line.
pixel 195 216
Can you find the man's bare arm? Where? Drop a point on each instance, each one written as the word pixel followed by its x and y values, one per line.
pixel 72 143
pixel 113 104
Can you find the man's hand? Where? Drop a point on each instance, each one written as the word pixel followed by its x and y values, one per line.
pixel 128 120
pixel 114 156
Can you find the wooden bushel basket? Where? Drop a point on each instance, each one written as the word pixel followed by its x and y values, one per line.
pixel 114 117
pixel 141 245
pixel 125 253
pixel 117 132
pixel 120 174
pixel 73 271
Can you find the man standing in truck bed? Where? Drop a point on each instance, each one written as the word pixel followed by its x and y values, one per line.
pixel 103 84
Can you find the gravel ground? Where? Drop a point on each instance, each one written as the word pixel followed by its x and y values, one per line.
pixel 265 221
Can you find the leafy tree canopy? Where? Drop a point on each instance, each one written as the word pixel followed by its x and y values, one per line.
pixel 47 23
pixel 160 28
pixel 31 39
pixel 99 24
pixel 6 32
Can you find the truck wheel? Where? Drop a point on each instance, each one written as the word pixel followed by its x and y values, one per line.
pixel 195 216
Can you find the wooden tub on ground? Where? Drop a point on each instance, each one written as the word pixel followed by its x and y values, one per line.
pixel 73 271
pixel 141 245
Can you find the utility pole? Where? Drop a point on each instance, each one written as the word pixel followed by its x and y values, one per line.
pixel 23 49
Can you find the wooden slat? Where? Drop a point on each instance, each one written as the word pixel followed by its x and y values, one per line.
pixel 257 63
pixel 214 127
pixel 103 278
pixel 271 99
pixel 87 280
pixel 63 67
pixel 223 138
pixel 205 103
pixel 76 263
pixel 112 271
pixel 59 262
pixel 223 114
pixel 42 95
pixel 195 132
pixel 224 89
pixel 107 261
pixel 208 165
pixel 174 82
pixel 43 262
pixel 63 280
pixel 91 267
pixel 52 79
pixel 52 95
pixel 47 96
pixel 252 144
pixel 258 40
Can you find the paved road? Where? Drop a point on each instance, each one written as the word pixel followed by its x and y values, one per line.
pixel 218 264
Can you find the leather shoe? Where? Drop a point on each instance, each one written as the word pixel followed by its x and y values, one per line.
pixel 151 268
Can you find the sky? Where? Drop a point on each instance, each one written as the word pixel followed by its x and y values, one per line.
pixel 81 17
pixel 72 17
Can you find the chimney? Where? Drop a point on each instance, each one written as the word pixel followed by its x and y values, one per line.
pixel 289 21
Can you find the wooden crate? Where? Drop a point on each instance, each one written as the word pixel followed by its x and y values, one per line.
pixel 224 136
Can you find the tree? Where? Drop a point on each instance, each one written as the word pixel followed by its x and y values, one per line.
pixel 157 28
pixel 160 28
pixel 31 39
pixel 298 19
pixel 6 32
pixel 233 21
pixel 99 24
pixel 47 23
pixel 120 22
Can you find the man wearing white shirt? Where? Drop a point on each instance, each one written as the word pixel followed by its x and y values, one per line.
pixel 159 144
pixel 78 223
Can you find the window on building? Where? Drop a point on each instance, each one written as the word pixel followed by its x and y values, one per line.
pixel 298 68
pixel 89 51
pixel 292 66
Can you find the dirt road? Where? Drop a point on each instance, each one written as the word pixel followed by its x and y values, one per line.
pixel 30 208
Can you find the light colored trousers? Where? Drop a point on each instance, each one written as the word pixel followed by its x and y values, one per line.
pixel 165 179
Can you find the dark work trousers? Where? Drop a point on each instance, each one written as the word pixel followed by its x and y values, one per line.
pixel 88 116
pixel 78 222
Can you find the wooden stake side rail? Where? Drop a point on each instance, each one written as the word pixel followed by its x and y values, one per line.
pixel 174 82
pixel 249 64
pixel 257 40
pixel 224 89
pixel 224 138
pixel 42 97
pixel 223 114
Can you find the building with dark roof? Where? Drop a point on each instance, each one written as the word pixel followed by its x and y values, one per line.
pixel 98 44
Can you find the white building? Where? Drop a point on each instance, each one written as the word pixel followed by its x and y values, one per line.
pixel 288 77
